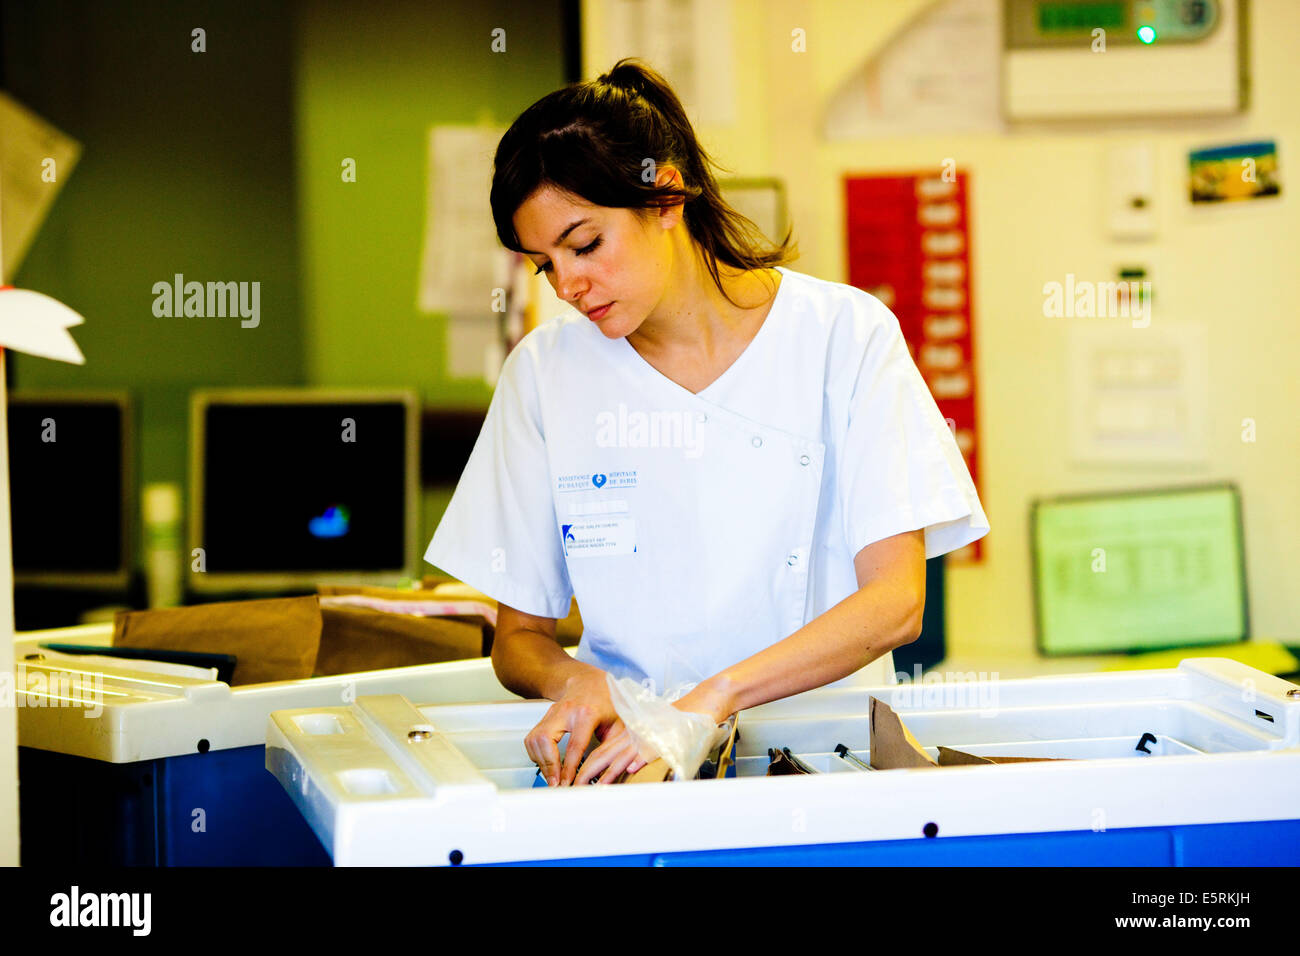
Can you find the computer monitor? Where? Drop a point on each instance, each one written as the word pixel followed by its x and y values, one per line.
pixel 71 488
pixel 1139 570
pixel 291 488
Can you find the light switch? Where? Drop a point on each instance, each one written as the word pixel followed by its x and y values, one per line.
pixel 1130 200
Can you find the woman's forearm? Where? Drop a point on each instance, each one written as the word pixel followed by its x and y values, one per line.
pixel 864 626
pixel 532 664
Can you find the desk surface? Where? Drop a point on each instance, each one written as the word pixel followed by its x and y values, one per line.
pixel 1268 656
pixel 1260 654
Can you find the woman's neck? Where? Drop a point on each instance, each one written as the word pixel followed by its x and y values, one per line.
pixel 696 320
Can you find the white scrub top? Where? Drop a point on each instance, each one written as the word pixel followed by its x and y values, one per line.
pixel 697 529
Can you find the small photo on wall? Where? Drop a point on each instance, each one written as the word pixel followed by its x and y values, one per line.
pixel 1239 171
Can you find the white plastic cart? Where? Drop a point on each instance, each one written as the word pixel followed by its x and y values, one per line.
pixel 1197 765
pixel 122 765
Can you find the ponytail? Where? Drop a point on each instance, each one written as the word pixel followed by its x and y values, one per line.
pixel 593 140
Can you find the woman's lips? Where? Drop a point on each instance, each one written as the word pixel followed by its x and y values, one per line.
pixel 599 313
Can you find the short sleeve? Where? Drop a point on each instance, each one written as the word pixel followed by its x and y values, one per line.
pixel 498 534
pixel 900 468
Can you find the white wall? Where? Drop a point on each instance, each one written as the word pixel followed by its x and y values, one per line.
pixel 1036 214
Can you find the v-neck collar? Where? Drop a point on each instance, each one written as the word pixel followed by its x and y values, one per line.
pixel 778 303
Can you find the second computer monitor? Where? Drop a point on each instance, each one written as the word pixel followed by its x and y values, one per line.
pixel 1139 571
pixel 291 488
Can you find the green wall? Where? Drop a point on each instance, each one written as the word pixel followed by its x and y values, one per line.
pixel 187 166
pixel 225 166
pixel 370 81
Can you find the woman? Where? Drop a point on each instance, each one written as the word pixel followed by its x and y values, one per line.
pixel 736 468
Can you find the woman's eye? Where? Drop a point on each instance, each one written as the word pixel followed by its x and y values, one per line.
pixel 585 250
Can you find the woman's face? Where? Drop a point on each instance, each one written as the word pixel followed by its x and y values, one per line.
pixel 597 255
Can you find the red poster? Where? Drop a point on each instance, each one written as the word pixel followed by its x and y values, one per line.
pixel 908 245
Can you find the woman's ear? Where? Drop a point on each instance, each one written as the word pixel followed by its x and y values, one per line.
pixel 667 175
pixel 670 210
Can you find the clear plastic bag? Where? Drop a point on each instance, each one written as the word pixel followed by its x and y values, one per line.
pixel 683 739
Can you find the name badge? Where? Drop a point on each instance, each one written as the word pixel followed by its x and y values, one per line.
pixel 594 536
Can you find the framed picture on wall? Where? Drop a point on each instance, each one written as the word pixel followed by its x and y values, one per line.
pixel 761 200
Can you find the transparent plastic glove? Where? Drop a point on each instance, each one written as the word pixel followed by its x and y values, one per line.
pixel 683 739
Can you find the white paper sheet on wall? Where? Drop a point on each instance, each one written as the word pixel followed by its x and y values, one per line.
pixel 471 345
pixel 760 201
pixel 35 161
pixel 688 41
pixel 462 258
pixel 458 264
pixel 940 73
pixel 1138 395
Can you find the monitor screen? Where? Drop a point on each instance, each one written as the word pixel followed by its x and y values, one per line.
pixel 1139 571
pixel 69 486
pixel 302 488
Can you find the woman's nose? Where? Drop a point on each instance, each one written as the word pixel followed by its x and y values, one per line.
pixel 568 285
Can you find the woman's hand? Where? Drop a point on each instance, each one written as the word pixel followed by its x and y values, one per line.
pixel 584 709
pixel 618 752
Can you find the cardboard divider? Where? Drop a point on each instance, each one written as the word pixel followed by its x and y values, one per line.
pixel 893 747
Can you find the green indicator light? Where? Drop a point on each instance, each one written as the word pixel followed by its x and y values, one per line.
pixel 1147 33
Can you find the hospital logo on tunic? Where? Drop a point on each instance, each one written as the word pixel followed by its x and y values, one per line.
pixel 585 481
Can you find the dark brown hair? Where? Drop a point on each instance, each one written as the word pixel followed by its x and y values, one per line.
pixel 592 140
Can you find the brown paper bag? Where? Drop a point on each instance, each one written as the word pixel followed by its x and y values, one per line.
pixel 362 639
pixel 273 639
pixel 656 771
pixel 959 758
